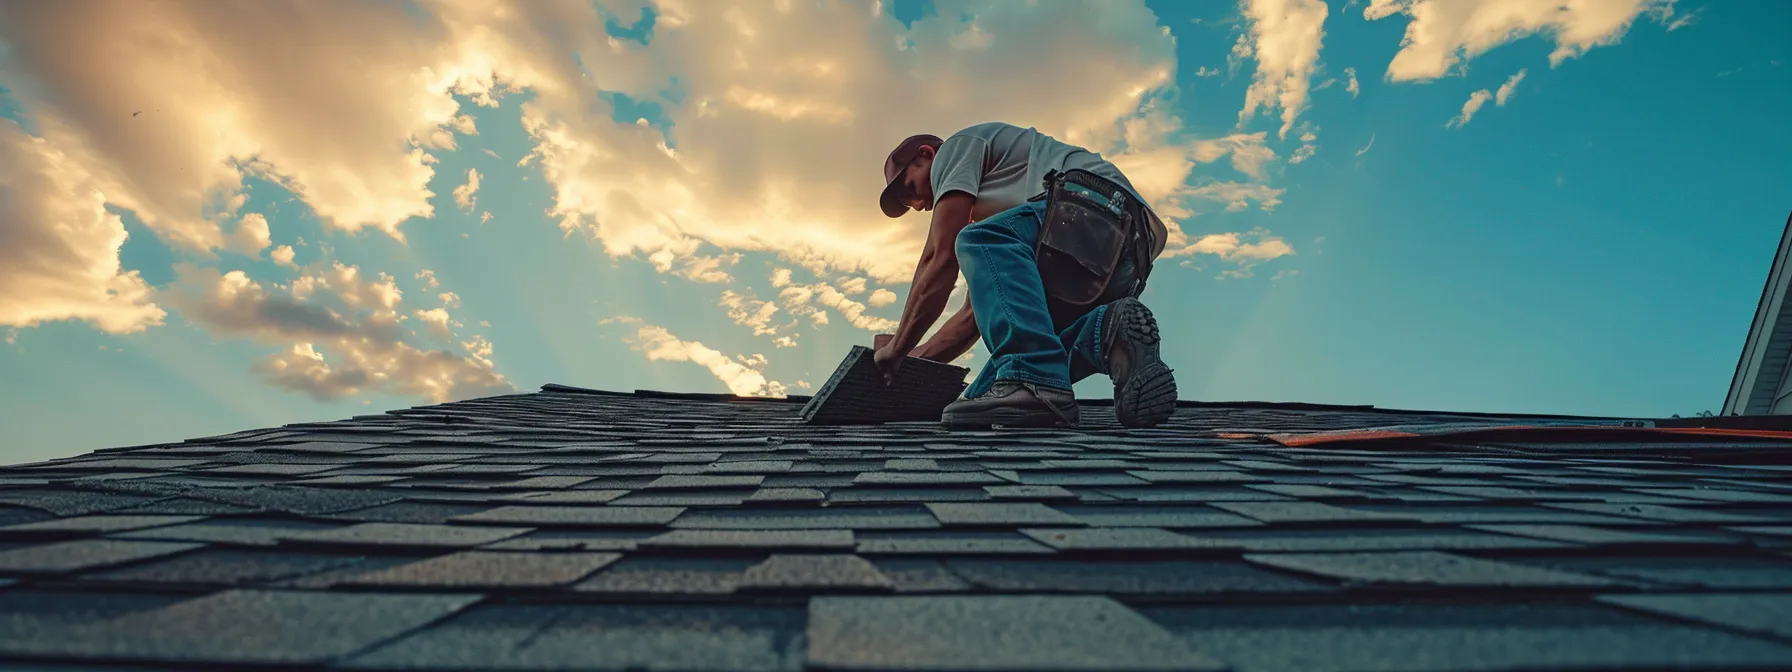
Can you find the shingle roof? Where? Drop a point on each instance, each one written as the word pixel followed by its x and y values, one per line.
pixel 573 530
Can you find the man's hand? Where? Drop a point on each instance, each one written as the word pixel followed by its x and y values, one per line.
pixel 888 361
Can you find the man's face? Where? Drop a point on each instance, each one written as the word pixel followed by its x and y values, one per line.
pixel 917 181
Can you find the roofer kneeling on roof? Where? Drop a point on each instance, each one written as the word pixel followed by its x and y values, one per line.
pixel 1055 245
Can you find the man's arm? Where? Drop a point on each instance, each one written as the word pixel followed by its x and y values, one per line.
pixel 955 337
pixel 936 272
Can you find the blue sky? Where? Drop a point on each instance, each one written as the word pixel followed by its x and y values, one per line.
pixel 1594 245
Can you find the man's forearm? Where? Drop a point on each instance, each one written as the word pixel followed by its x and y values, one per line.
pixel 928 294
pixel 954 338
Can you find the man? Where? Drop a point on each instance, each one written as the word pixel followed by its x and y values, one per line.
pixel 980 184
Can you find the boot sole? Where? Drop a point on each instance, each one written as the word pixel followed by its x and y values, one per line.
pixel 1148 396
pixel 1004 417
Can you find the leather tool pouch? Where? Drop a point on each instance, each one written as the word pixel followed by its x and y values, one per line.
pixel 1089 222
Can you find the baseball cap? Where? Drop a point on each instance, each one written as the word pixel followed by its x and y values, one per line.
pixel 899 159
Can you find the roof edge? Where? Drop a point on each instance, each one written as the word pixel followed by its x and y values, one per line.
pixel 1281 405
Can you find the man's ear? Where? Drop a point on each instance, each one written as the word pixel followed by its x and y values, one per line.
pixel 925 152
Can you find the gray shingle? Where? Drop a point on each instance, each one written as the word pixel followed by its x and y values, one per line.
pixel 1401 638
pixel 725 540
pixel 70 556
pixel 917 575
pixel 1302 512
pixel 95 524
pixel 925 478
pixel 577 516
pixel 1115 539
pixel 1586 534
pixel 650 575
pixel 991 632
pixel 1163 493
pixel 1427 568
pixel 1721 495
pixel 847 518
pixel 490 569
pixel 1371 539
pixel 1068 478
pixel 546 482
pixel 564 497
pixel 225 567
pixel 671 481
pixel 1029 492
pixel 1769 614
pixel 1669 514
pixel 602 637
pixel 949 543
pixel 1548 514
pixel 707 498
pixel 574 540
pixel 1693 567
pixel 296 499
pixel 249 626
pixel 1129 577
pixel 407 535
pixel 786 496
pixel 999 514
pixel 810 573
pixel 271 469
pixel 1102 515
pixel 1304 490
pixel 1203 476
pixel 235 532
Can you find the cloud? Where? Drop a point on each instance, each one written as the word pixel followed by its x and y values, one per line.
pixel 1205 71
pixel 1445 33
pixel 1284 274
pixel 695 268
pixel 1237 196
pixel 59 245
pixel 429 279
pixel 1508 89
pixel 438 321
pixel 1284 38
pixel 1309 134
pixel 751 313
pixel 743 376
pixel 1475 101
pixel 450 300
pixel 1365 149
pixel 801 300
pixel 1480 98
pixel 466 195
pixel 1352 87
pixel 1244 251
pixel 356 152
pixel 283 256
pixel 880 298
pixel 337 332
pixel 251 236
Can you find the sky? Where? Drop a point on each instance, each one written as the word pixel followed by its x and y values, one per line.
pixel 224 216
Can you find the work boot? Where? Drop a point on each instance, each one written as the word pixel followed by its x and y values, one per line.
pixel 1014 404
pixel 1144 389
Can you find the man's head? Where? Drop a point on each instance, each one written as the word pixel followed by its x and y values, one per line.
pixel 907 172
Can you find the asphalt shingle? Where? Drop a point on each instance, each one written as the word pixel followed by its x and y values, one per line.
pixel 752 540
pixel 249 626
pixel 1426 568
pixel 577 516
pixel 406 535
pixel 490 569
pixel 999 514
pixel 810 573
pixel 71 556
pixel 991 632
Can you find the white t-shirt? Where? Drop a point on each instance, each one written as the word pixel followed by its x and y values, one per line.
pixel 1004 165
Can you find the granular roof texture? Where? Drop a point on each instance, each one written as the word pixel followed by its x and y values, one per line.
pixel 570 529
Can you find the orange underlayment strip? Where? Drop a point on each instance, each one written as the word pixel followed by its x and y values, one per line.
pixel 1525 432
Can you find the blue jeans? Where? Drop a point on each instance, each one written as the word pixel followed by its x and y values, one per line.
pixel 1030 338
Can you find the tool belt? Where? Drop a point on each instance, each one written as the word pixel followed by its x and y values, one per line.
pixel 1089 223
